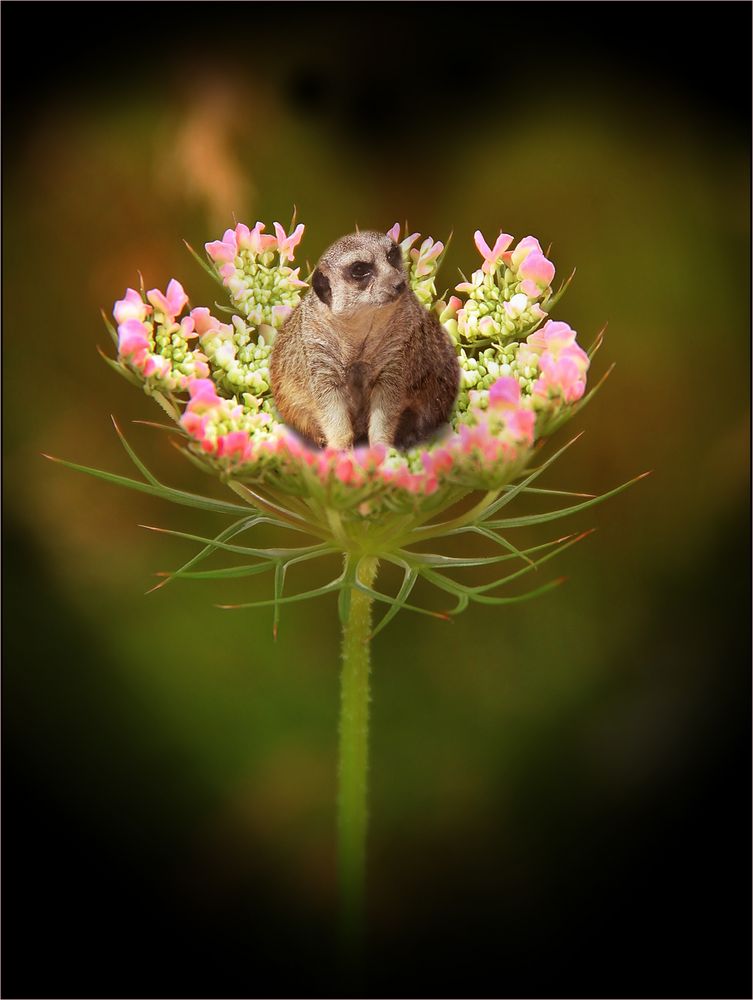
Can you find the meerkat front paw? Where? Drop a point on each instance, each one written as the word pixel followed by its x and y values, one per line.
pixel 342 443
pixel 384 439
pixel 334 421
pixel 380 426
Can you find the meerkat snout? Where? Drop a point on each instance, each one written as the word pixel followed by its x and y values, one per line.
pixel 361 359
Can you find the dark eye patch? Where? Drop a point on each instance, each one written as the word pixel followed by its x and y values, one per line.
pixel 394 256
pixel 361 269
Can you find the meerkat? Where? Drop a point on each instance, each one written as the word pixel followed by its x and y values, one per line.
pixel 360 359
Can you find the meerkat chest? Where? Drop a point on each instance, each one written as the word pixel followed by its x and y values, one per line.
pixel 365 354
pixel 361 369
pixel 368 348
pixel 361 355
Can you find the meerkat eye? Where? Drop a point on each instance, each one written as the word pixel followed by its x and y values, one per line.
pixel 394 256
pixel 360 269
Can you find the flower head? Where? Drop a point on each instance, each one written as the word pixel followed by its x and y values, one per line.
pixel 154 342
pixel 522 375
pixel 516 374
pixel 506 298
pixel 263 290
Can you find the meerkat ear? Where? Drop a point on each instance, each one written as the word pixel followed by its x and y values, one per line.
pixel 322 287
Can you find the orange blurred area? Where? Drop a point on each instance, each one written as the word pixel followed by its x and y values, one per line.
pixel 532 767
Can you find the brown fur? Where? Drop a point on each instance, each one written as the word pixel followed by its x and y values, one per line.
pixel 363 360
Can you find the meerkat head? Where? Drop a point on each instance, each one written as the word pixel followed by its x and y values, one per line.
pixel 360 272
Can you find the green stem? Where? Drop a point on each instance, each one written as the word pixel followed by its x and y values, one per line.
pixel 354 756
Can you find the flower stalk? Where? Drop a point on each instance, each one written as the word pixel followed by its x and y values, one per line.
pixel 354 757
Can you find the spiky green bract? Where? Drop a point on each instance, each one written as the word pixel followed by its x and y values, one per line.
pixel 399 542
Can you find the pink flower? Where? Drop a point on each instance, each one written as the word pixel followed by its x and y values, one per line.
pixel 223 251
pixel 133 341
pixel 203 320
pixel 194 423
pixel 521 423
pixel 295 281
pixel 491 255
pixel 286 244
pixel 344 470
pixel 280 313
pixel 155 365
pixel 450 311
pixel 471 437
pixel 171 304
pixel 562 361
pixel 477 280
pixel 514 258
pixel 561 377
pixel 203 393
pixel 442 460
pixel 235 443
pixel 134 346
pixel 517 420
pixel 423 257
pixel 200 365
pixel 558 338
pixel 405 479
pixel 407 243
pixel 195 417
pixel 290 444
pixel 552 336
pixel 131 306
pixel 537 273
pixel 432 466
pixel 504 393
pixel 188 328
pixel 371 457
pixel 577 355
pixel 253 240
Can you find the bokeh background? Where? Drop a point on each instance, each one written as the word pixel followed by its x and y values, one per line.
pixel 560 790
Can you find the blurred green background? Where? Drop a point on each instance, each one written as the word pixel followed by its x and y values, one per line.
pixel 559 790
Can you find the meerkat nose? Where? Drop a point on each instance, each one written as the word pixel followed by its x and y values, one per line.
pixel 399 288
